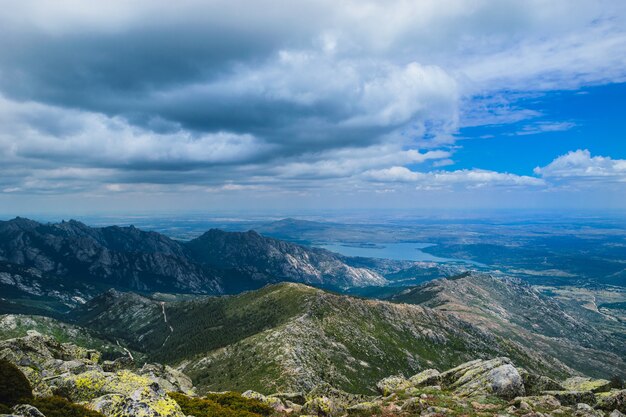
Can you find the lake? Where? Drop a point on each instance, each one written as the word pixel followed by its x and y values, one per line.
pixel 397 251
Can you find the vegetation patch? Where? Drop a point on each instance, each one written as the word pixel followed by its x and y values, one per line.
pixel 204 407
pixel 60 407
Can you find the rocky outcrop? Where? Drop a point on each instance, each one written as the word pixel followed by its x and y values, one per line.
pixel 493 377
pixel 168 378
pixel 573 397
pixel 613 400
pixel 392 384
pixel 536 384
pixel 74 373
pixel 148 401
pixel 42 359
pixel 426 378
pixel 579 383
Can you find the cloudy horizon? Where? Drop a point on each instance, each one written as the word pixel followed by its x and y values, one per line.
pixel 315 104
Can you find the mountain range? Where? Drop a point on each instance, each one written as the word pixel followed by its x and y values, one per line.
pixel 64 263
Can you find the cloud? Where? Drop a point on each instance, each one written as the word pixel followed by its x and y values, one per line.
pixel 227 96
pixel 473 178
pixel 543 127
pixel 579 167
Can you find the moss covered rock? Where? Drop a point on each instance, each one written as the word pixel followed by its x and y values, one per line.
pixel 579 383
pixel 366 408
pixel 144 402
pixel 42 358
pixel 92 384
pixel 168 378
pixel 614 400
pixel 536 384
pixel 322 406
pixel 426 378
pixel 393 384
pixel 571 398
pixel 485 377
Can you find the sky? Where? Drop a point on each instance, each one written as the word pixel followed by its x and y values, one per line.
pixel 283 105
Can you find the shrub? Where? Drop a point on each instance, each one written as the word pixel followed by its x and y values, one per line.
pixel 202 407
pixel 14 386
pixel 236 401
pixel 60 407
pixel 5 409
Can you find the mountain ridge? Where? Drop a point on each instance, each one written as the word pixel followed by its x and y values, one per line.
pixel 303 336
pixel 128 258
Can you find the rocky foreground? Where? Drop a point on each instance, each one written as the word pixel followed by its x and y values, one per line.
pixel 122 388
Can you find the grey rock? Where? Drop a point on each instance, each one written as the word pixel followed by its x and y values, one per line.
pixel 492 377
pixel 579 383
pixel 571 398
pixel 426 378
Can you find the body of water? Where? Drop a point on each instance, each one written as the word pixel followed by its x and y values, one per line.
pixel 397 251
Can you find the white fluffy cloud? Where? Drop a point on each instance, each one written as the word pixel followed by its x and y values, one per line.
pixel 577 166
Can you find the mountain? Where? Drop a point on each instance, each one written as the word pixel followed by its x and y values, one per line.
pixel 518 312
pixel 266 260
pixel 31 291
pixel 294 337
pixel 120 257
pixel 63 263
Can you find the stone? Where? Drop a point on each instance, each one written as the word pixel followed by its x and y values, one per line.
pixel 573 397
pixel 146 402
pixel 426 378
pixel 579 383
pixel 585 410
pixel 43 358
pixel 321 406
pixel 614 400
pixel 535 384
pixel 274 402
pixel 168 378
pixel 93 384
pixel 616 413
pixel 392 384
pixel 294 397
pixel 123 362
pixel 365 407
pixel 538 401
pixel 485 377
pixel 414 405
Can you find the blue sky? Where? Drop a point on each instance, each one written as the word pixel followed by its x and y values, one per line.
pixel 221 105
pixel 591 117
